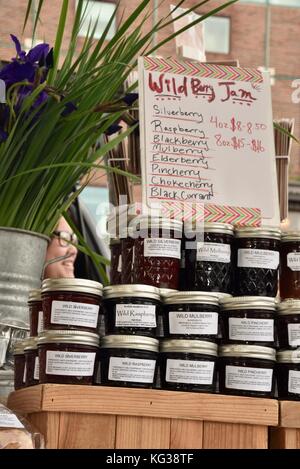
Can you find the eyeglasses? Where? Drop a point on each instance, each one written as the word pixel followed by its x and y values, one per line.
pixel 65 238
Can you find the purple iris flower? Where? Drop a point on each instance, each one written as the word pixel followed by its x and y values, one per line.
pixel 69 108
pixel 130 98
pixel 112 129
pixel 3 135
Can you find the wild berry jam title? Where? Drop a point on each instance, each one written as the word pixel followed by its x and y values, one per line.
pixel 175 88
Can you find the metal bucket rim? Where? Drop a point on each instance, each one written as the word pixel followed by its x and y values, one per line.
pixel 28 232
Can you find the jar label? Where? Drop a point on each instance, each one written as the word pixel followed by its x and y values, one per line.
pixel 119 268
pixel 40 327
pixel 293 261
pixel 70 363
pixel 135 370
pixel 259 330
pixel 36 373
pixel 213 252
pixel 131 315
pixel 294 335
pixel 25 373
pixel 162 247
pixel 258 258
pixel 189 371
pixel 8 419
pixel 294 381
pixel 192 322
pixel 248 378
pixel 74 314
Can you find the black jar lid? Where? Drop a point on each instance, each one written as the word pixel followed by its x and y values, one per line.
pixel 189 346
pixel 19 346
pixel 31 344
pixel 288 236
pixel 248 302
pixel 247 351
pixel 68 337
pixel 76 285
pixel 136 342
pixel 191 297
pixel 288 356
pixel 131 291
pixel 35 295
pixel 266 232
pixel 289 306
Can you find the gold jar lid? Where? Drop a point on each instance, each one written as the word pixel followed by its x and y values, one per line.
pixel 247 351
pixel 68 337
pixel 266 232
pixel 136 342
pixel 35 295
pixel 132 291
pixel 164 292
pixel 144 222
pixel 248 302
pixel 288 356
pixel 19 346
pixel 206 227
pixel 76 285
pixel 31 344
pixel 189 346
pixel 289 306
pixel 191 297
pixel 288 236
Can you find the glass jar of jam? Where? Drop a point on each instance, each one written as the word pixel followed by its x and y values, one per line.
pixel 257 261
pixel 35 312
pixel 192 315
pixel 209 263
pixel 115 261
pixel 68 357
pixel 157 252
pixel 32 362
pixel 247 370
pixel 160 332
pixel 71 303
pixel 289 324
pixel 127 249
pixel 290 265
pixel 128 360
pixel 19 364
pixel 288 374
pixel 131 309
pixel 188 365
pixel 248 320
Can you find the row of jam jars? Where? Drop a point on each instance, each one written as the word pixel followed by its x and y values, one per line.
pixel 290 265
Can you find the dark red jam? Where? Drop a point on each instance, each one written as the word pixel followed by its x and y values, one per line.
pixel 288 324
pixel 247 370
pixel 157 252
pixel 248 320
pixel 191 315
pixel 68 357
pixel 127 260
pixel 19 364
pixel 131 309
pixel 32 363
pixel 290 265
pixel 115 261
pixel 288 375
pixel 129 361
pixel 188 365
pixel 209 259
pixel 257 261
pixel 71 304
pixel 35 312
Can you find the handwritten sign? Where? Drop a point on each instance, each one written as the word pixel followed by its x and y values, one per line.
pixel 207 138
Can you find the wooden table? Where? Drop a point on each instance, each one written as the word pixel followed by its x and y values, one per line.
pixel 106 417
pixel 287 435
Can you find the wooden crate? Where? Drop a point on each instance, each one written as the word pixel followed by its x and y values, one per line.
pixel 106 417
pixel 287 435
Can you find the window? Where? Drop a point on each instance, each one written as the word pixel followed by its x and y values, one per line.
pixel 283 3
pixel 97 13
pixel 217 34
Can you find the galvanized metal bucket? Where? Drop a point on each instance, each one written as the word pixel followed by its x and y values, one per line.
pixel 22 256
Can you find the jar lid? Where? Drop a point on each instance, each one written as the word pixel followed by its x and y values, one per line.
pixel 147 222
pixel 35 295
pixel 222 295
pixel 114 241
pixel 206 227
pixel 290 236
pixel 165 292
pixel 248 302
pixel 134 291
pixel 68 337
pixel 19 346
pixel 137 342
pixel 288 356
pixel 192 297
pixel 289 306
pixel 247 351
pixel 189 346
pixel 272 232
pixel 78 285
pixel 31 343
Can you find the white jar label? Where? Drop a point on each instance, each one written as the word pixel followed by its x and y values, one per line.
pixel 193 322
pixel 36 373
pixel 119 268
pixel 258 258
pixel 294 382
pixel 40 326
pixel 259 330
pixel 25 373
pixel 294 335
pixel 162 247
pixel 74 314
pixel 189 371
pixel 70 363
pixel 135 370
pixel 131 315
pixel 8 419
pixel 293 261
pixel 248 378
pixel 213 252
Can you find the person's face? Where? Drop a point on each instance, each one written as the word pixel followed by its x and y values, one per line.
pixel 56 248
